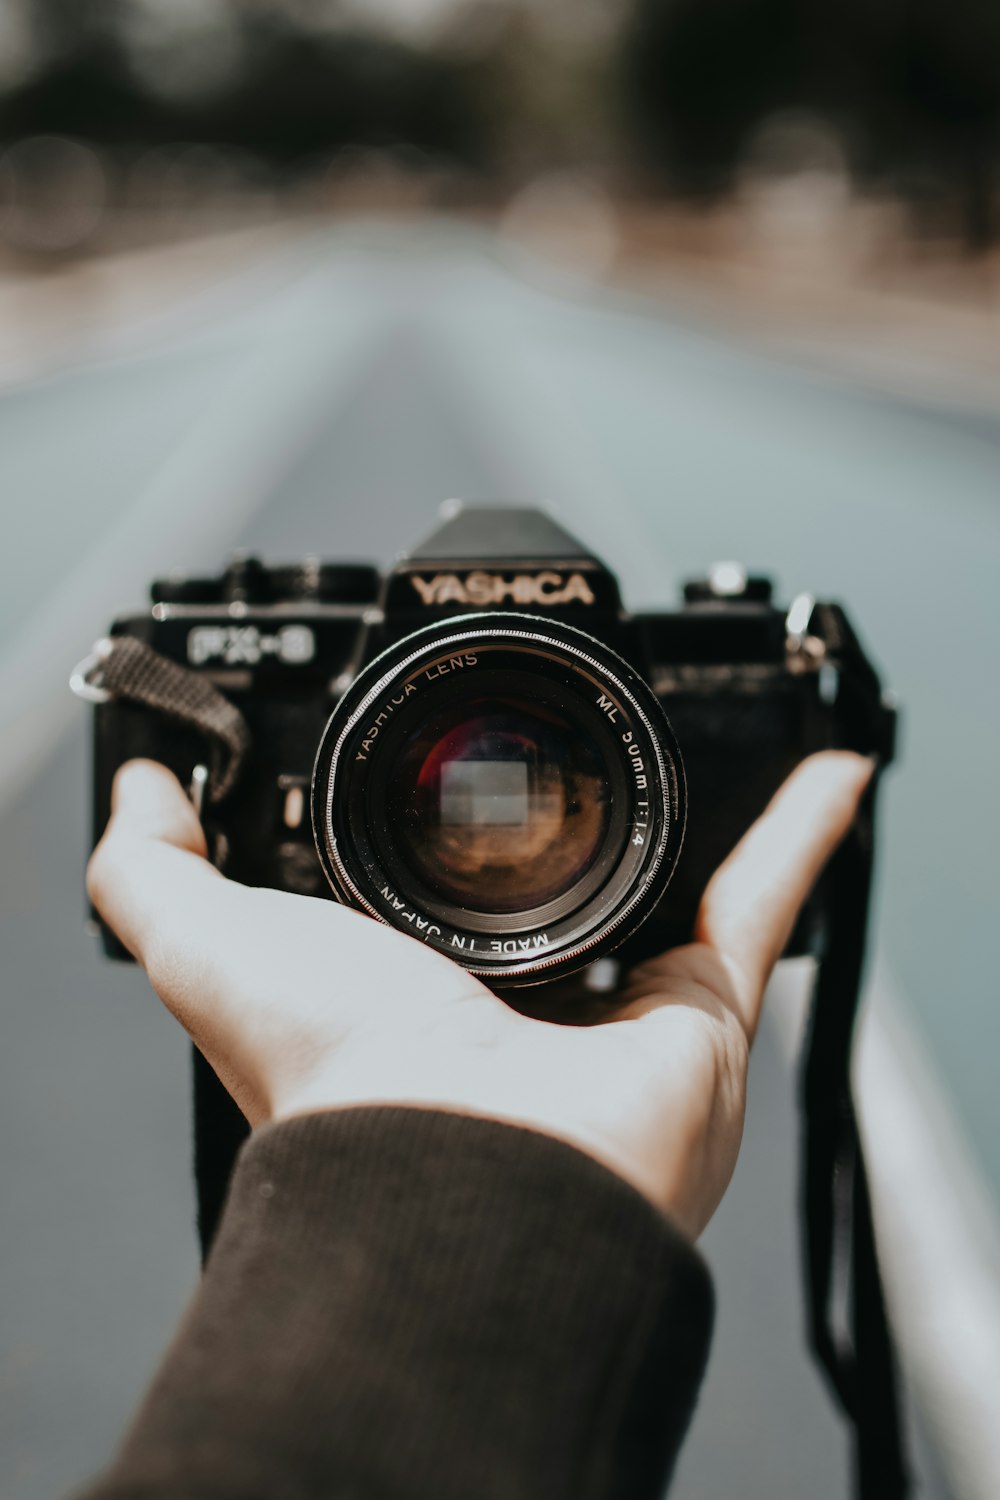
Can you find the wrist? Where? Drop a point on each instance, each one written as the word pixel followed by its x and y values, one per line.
pixel 487 1094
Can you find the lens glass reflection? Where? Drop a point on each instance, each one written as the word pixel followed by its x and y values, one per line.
pixel 499 804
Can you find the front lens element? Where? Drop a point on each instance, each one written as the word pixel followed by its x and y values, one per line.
pixel 501 804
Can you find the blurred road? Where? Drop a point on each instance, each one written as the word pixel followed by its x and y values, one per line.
pixel 327 403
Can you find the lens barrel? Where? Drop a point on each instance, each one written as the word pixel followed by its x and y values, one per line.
pixel 505 788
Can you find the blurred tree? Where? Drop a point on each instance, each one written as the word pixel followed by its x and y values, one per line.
pixel 912 86
pixel 934 106
pixel 295 91
pixel 543 81
pixel 511 88
pixel 700 74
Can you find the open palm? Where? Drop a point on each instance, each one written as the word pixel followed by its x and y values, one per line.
pixel 300 1004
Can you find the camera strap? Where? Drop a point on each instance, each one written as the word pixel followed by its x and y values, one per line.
pixel 123 667
pixel 849 1327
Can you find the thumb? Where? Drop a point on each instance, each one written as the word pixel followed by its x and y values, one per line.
pixel 147 801
pixel 751 903
pixel 150 866
pixel 151 882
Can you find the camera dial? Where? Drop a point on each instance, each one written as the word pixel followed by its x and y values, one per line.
pixel 248 581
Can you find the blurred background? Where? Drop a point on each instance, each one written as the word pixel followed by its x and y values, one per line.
pixel 707 278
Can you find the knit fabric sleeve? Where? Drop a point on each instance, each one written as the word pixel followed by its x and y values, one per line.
pixel 410 1303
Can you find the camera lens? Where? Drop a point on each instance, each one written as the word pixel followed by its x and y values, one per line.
pixel 505 788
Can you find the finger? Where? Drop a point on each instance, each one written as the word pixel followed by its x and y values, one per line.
pixel 151 882
pixel 750 905
pixel 149 877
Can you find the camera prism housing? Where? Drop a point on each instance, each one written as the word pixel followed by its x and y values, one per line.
pixel 485 749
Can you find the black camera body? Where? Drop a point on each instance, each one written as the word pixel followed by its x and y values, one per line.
pixel 749 689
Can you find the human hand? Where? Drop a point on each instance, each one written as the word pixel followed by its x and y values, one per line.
pixel 300 1004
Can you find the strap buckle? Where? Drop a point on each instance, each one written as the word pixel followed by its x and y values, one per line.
pixel 85 678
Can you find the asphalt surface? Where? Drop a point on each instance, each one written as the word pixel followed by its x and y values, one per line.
pixel 352 383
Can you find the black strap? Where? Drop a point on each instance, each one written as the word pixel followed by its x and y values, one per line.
pixel 126 668
pixel 849 1327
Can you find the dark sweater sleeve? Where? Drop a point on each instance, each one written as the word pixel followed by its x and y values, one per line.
pixel 409 1303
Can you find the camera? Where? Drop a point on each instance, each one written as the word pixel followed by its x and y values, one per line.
pixel 483 748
